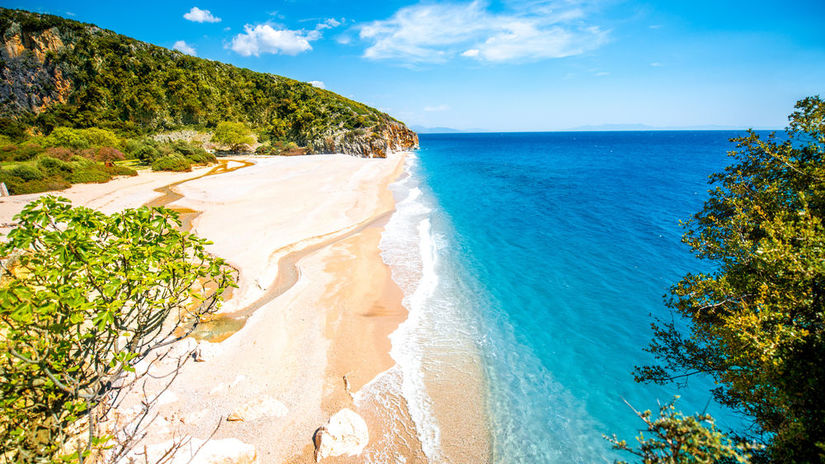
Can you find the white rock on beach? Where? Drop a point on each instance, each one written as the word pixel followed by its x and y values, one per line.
pixel 345 433
pixel 262 407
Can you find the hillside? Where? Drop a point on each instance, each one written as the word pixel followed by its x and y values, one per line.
pixel 59 72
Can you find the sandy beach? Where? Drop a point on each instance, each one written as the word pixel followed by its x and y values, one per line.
pixel 308 325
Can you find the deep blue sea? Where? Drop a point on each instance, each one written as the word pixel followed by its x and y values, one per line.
pixel 557 249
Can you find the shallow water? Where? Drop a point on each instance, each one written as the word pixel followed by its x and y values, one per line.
pixel 548 253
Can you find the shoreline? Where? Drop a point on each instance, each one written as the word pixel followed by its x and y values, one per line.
pixel 320 301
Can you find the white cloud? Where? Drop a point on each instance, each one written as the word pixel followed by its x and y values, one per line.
pixel 429 32
pixel 319 84
pixel 437 108
pixel 656 64
pixel 183 47
pixel 263 38
pixel 328 24
pixel 201 16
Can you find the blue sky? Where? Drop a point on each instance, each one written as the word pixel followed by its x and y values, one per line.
pixel 509 65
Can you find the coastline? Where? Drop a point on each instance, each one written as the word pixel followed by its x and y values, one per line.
pixel 319 306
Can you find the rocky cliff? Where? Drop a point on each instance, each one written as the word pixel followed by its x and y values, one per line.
pixel 374 143
pixel 30 79
pixel 59 72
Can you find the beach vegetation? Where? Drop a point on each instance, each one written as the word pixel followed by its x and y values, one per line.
pixel 84 298
pixel 33 169
pixel 755 324
pixel 233 134
pixel 172 162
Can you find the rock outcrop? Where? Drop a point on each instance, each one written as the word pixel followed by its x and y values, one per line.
pixel 345 433
pixel 376 142
pixel 30 80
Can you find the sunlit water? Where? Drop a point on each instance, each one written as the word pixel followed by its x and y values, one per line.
pixel 550 252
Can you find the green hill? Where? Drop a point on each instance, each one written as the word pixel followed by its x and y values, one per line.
pixel 59 72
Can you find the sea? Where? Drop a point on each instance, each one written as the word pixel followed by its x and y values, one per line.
pixel 545 257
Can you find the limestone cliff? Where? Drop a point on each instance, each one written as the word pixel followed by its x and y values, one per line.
pixel 30 79
pixel 373 143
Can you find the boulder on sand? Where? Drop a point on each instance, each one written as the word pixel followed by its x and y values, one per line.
pixel 345 433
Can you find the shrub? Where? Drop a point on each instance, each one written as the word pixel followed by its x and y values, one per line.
pixel 131 148
pixel 89 299
pixel 173 162
pixel 109 155
pixel 54 166
pixel 98 137
pixel 68 137
pixel 201 157
pixel 85 176
pixel 18 186
pixel 61 153
pixel 147 153
pixel 26 172
pixel 119 170
pixel 26 152
pixel 7 152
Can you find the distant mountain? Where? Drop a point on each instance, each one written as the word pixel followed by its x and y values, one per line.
pixel 645 127
pixel 434 130
pixel 444 130
pixel 59 72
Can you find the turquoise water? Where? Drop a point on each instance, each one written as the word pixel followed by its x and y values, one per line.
pixel 555 249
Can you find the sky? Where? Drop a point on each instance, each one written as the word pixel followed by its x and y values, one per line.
pixel 511 65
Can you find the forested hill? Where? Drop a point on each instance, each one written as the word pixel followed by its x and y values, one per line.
pixel 59 72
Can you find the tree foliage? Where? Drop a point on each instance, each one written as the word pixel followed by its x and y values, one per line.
pixel 756 324
pixel 233 134
pixel 673 438
pixel 88 297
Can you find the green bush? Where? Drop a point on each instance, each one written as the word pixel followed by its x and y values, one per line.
pixel 26 172
pixel 119 170
pixel 7 152
pixel 201 157
pixel 85 314
pixel 173 162
pixel 68 137
pixel 98 137
pixel 54 166
pixel 20 152
pixel 147 153
pixel 18 186
pixel 131 148
pixel 86 176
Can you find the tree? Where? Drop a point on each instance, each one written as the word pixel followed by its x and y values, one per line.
pixel 84 297
pixel 108 155
pixel 674 438
pixel 98 137
pixel 756 323
pixel 67 137
pixel 233 134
